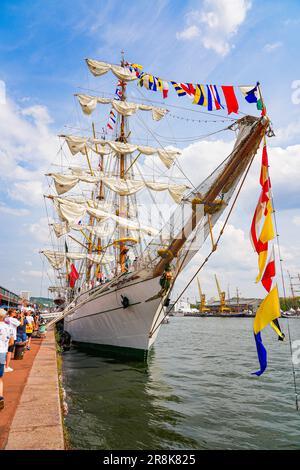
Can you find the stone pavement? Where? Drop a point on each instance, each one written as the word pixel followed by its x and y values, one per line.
pixel 14 383
pixel 37 423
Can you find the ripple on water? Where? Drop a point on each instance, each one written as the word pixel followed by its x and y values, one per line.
pixel 194 394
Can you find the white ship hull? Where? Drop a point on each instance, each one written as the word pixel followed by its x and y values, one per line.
pixel 101 320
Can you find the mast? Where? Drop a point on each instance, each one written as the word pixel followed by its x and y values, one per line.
pixel 90 248
pixel 122 170
pixel 237 298
pixel 100 197
pixel 291 286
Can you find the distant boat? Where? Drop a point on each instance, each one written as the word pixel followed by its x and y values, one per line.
pixel 291 313
pixel 244 314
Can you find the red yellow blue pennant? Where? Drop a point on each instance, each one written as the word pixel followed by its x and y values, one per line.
pixel 269 310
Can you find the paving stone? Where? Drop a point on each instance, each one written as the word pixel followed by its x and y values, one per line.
pixel 37 423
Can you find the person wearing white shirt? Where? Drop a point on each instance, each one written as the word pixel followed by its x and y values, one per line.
pixel 13 324
pixel 5 336
pixel 29 321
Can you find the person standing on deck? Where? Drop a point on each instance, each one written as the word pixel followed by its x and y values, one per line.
pixel 4 342
pixel 13 324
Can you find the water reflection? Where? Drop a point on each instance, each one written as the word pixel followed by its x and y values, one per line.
pixel 118 405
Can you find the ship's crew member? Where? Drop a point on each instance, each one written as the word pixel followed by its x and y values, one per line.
pixel 165 280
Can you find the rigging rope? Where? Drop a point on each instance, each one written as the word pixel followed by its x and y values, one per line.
pixel 284 294
pixel 210 113
pixel 199 137
pixel 209 255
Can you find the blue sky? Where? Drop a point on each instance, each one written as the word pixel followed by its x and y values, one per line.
pixel 42 51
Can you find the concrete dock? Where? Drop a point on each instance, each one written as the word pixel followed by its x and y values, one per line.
pixel 32 419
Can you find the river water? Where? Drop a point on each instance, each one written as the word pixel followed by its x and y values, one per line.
pixel 196 393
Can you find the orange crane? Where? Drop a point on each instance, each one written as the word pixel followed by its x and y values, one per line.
pixel 222 295
pixel 202 307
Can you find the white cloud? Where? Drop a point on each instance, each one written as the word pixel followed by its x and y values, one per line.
pixel 32 273
pixel 271 47
pixel 27 148
pixel 216 23
pixel 39 230
pixel 288 133
pixel 188 33
pixel 284 169
pixel 296 220
pixel 4 209
pixel 28 192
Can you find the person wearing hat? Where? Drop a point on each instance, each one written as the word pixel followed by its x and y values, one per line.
pixel 5 338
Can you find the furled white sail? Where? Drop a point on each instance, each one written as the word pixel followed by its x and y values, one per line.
pixel 69 212
pixel 100 258
pixel 99 68
pixel 78 144
pixel 75 256
pixel 63 183
pixel 60 229
pixel 89 103
pixel 123 187
pixel 176 191
pixel 128 187
pixel 98 230
pixel 75 143
pixel 122 221
pixel 56 259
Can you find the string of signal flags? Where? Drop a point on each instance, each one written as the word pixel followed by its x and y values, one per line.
pixel 211 97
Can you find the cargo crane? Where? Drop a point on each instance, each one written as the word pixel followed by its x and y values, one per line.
pixel 223 307
pixel 202 307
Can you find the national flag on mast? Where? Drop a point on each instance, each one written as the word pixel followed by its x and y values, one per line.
pixel 73 276
pixel 252 95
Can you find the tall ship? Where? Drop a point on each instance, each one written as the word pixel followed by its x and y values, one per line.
pixel 113 269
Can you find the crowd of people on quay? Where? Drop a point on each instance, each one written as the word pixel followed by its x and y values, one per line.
pixel 17 326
